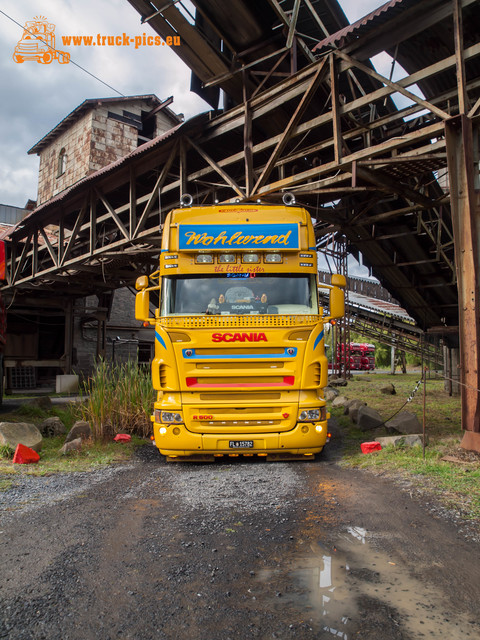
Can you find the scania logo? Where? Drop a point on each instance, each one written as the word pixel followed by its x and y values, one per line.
pixel 239 337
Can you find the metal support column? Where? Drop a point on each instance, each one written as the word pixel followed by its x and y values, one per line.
pixel 466 228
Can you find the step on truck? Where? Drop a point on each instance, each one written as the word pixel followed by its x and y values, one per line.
pixel 240 363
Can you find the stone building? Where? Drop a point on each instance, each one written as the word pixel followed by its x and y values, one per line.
pixel 95 134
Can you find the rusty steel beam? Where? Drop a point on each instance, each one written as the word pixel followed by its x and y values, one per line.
pixel 466 230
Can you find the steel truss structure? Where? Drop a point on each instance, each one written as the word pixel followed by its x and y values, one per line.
pixel 308 114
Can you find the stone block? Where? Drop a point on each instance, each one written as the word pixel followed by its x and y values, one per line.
pixel 404 422
pixel 52 427
pixel 340 401
pixel 73 445
pixel 351 409
pixel 80 429
pixel 330 394
pixel 399 441
pixel 66 383
pixel 368 418
pixel 14 433
pixel 388 389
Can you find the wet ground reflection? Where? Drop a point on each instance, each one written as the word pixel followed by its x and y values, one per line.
pixel 340 588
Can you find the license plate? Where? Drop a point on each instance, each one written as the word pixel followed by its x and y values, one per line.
pixel 241 444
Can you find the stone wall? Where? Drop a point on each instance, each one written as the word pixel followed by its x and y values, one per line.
pixel 94 141
pixel 76 141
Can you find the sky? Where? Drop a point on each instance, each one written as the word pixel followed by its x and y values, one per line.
pixel 36 97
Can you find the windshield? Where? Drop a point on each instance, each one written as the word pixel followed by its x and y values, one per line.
pixel 199 295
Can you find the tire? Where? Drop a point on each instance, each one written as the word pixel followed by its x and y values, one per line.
pixel 17 58
pixel 46 58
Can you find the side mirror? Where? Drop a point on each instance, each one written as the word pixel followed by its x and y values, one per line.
pixel 142 306
pixel 141 283
pixel 337 303
pixel 337 297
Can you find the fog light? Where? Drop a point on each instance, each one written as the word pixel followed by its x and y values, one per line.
pixel 304 429
pixel 319 428
pixel 176 431
pixel 162 431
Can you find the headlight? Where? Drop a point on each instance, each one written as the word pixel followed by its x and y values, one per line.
pixel 204 258
pixel 313 415
pixel 167 417
pixel 273 257
pixel 250 257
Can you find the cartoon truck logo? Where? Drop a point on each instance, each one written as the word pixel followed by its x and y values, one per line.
pixel 38 43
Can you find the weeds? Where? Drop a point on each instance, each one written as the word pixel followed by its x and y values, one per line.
pixel 6 452
pixel 118 399
pixel 455 484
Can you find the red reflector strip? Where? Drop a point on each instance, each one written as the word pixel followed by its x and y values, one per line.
pixel 193 382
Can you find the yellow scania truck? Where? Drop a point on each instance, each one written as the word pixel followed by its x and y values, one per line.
pixel 240 363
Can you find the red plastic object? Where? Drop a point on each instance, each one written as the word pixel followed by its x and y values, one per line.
pixel 368 447
pixel 122 437
pixel 25 455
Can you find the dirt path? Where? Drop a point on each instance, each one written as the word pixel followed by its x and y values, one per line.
pixel 235 550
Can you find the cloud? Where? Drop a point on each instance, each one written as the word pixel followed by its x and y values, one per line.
pixel 36 97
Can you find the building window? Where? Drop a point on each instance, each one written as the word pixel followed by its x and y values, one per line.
pixel 62 162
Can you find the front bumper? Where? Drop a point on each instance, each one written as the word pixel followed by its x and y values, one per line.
pixel 304 439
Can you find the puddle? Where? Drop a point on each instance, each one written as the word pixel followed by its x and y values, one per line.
pixel 344 590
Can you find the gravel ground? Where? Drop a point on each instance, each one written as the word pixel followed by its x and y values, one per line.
pixel 230 551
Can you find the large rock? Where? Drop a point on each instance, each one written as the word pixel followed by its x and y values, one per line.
pixel 368 418
pixel 337 382
pixel 340 401
pixel 388 389
pixel 80 429
pixel 13 433
pixel 404 422
pixel 52 427
pixel 72 446
pixel 351 409
pixel 400 441
pixel 42 402
pixel 330 394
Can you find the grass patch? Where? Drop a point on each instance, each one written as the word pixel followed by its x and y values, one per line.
pixel 92 456
pixel 456 484
pixel 119 399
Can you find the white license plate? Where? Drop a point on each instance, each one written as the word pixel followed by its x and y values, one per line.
pixel 241 444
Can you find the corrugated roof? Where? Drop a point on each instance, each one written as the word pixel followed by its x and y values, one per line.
pixel 362 25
